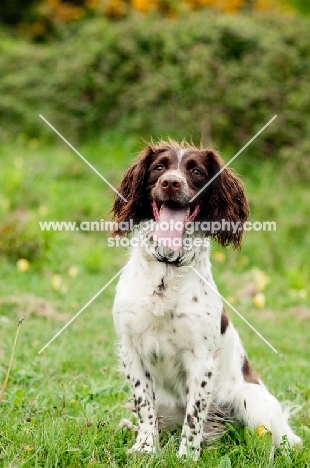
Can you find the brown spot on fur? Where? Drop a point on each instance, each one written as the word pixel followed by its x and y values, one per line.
pixel 190 421
pixel 248 373
pixel 224 321
pixel 181 315
pixel 160 288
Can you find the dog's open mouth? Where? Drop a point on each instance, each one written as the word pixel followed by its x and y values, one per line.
pixel 171 219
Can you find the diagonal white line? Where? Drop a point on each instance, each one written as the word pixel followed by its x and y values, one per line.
pixel 235 310
pixel 83 308
pixel 232 159
pixel 82 157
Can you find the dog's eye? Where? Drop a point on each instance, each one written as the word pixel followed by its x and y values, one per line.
pixel 197 171
pixel 158 167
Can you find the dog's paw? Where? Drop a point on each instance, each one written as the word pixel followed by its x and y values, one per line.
pixel 146 440
pixel 141 447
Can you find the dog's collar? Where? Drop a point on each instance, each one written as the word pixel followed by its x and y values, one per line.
pixel 177 261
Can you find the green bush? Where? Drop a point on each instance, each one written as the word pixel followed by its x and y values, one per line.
pixel 19 239
pixel 206 74
pixel 301 6
pixel 14 11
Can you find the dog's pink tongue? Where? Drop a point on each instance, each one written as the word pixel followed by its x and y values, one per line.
pixel 170 227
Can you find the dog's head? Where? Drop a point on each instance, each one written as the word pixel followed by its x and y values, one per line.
pixel 175 182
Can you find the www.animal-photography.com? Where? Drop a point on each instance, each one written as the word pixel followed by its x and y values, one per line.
pixel 154 230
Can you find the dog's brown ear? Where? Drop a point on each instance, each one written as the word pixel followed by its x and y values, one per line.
pixel 133 188
pixel 224 202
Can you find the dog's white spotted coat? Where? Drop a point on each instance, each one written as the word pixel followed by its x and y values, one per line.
pixel 175 357
pixel 182 357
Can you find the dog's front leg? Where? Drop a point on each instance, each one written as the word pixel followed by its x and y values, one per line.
pixel 199 394
pixel 144 398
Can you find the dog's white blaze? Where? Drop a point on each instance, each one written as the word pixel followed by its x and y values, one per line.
pixel 180 154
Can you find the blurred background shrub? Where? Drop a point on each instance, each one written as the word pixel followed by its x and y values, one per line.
pixel 207 73
pixel 35 16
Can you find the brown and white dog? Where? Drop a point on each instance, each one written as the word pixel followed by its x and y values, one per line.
pixel 182 356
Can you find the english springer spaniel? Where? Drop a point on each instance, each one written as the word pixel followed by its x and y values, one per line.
pixel 182 356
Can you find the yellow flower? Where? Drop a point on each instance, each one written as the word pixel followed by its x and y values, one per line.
pixel 73 271
pixel 56 282
pixel 219 257
pixel 259 300
pixel 22 265
pixel 303 293
pixel 231 6
pixel 260 279
pixel 262 430
pixel 144 6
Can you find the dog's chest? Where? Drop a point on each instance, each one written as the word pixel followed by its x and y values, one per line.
pixel 167 313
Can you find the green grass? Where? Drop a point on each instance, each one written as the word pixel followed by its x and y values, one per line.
pixel 62 407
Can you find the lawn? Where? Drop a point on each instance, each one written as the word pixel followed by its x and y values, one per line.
pixel 62 407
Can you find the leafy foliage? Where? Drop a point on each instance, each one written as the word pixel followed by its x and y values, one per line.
pixel 38 14
pixel 207 74
pixel 301 6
